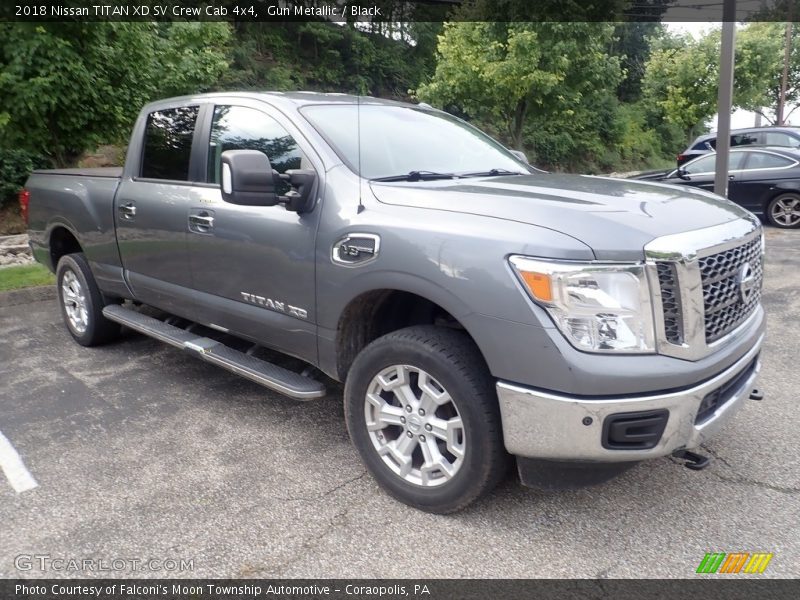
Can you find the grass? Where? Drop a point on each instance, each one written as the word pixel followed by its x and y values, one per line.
pixel 14 278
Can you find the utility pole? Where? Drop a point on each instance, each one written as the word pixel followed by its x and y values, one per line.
pixel 725 97
pixel 787 52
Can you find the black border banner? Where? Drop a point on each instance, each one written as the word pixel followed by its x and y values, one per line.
pixel 741 587
pixel 394 10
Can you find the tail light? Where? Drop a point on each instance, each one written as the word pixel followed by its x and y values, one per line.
pixel 24 201
pixel 680 158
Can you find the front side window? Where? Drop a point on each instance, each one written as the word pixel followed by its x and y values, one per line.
pixel 763 160
pixel 242 128
pixel 168 143
pixel 702 165
pixel 708 164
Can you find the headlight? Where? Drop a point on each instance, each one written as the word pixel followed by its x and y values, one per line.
pixel 598 307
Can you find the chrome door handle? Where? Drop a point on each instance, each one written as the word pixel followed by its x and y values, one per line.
pixel 128 210
pixel 201 221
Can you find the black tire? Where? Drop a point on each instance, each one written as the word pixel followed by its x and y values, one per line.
pixel 453 361
pixel 98 330
pixel 777 213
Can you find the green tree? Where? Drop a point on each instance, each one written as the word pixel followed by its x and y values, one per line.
pixel 759 68
pixel 551 77
pixel 682 80
pixel 68 87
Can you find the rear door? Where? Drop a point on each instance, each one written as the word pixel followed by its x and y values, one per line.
pixel 763 171
pixel 254 266
pixel 152 207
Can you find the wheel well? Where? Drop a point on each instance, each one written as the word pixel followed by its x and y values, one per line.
pixel 62 242
pixel 378 312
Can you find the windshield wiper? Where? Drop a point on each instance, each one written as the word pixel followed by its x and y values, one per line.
pixel 491 173
pixel 417 176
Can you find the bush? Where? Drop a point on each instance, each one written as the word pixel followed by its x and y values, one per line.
pixel 15 166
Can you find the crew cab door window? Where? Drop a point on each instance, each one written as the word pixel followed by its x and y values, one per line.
pixel 168 143
pixel 242 128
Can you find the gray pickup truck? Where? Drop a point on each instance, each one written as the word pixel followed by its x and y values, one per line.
pixel 475 308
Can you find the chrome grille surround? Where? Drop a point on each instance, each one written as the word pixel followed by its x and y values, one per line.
pixel 693 281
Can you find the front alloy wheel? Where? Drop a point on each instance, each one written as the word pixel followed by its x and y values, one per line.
pixel 421 409
pixel 414 425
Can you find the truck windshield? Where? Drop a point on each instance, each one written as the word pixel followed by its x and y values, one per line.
pixel 409 143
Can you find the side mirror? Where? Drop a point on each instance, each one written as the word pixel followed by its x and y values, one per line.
pixel 247 178
pixel 683 174
pixel 300 199
pixel 520 155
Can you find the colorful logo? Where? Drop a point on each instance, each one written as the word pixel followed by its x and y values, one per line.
pixel 735 562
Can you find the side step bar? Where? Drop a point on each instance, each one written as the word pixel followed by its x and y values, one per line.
pixel 267 374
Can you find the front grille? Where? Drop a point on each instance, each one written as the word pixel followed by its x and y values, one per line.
pixel 725 308
pixel 670 302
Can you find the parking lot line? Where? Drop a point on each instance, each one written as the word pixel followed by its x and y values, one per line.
pixel 18 476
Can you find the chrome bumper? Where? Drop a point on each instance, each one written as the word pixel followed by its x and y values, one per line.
pixel 538 424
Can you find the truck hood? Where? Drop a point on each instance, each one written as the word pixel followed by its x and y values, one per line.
pixel 614 217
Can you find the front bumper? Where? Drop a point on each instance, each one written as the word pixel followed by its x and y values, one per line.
pixel 538 424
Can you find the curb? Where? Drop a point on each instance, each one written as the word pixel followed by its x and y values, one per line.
pixel 27 295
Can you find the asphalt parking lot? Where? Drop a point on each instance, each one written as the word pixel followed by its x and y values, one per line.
pixel 142 452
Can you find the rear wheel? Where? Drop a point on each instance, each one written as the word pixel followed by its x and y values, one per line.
pixel 82 303
pixel 784 211
pixel 422 411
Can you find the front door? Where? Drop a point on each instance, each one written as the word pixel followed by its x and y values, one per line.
pixel 253 266
pixel 151 208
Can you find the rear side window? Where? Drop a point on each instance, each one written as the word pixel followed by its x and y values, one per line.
pixel 763 160
pixel 778 138
pixel 168 143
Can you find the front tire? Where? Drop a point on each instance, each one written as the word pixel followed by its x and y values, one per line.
pixel 784 211
pixel 422 411
pixel 82 302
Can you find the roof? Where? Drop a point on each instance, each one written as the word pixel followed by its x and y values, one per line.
pixel 294 99
pixel 791 128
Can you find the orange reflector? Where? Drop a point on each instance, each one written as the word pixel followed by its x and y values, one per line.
pixel 539 285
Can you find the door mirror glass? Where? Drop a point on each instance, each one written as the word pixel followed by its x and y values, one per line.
pixel 247 178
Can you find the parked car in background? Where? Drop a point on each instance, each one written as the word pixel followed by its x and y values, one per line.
pixel 764 180
pixel 785 137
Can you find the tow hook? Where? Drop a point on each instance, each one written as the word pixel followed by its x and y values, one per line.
pixel 694 461
pixel 756 394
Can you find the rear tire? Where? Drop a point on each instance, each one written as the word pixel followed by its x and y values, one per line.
pixel 421 409
pixel 784 211
pixel 82 302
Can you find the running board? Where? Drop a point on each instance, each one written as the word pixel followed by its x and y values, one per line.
pixel 267 374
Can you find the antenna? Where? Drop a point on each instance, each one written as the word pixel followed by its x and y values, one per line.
pixel 358 130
